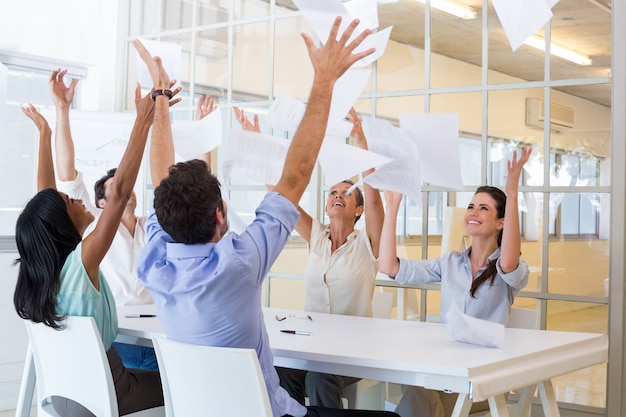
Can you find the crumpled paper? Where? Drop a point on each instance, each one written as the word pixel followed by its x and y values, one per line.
pixel 467 329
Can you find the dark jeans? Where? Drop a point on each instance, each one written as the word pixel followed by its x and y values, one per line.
pixel 137 357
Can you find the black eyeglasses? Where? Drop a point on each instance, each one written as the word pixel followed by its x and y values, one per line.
pixel 281 317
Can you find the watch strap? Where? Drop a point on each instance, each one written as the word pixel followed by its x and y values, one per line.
pixel 161 92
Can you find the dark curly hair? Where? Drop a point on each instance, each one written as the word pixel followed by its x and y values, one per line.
pixel 186 200
pixel 98 187
pixel 45 236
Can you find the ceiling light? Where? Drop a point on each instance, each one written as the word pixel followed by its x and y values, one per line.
pixel 464 12
pixel 560 51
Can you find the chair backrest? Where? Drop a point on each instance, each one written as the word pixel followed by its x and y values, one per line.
pixel 208 380
pixel 524 318
pixel 72 363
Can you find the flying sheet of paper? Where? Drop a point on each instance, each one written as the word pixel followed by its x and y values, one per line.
pixel 321 14
pixel 255 156
pixel 521 18
pixel 170 54
pixel 403 173
pixel 437 139
pixel 197 137
pixel 286 112
pixel 386 139
pixel 365 10
pixel 467 329
pixel 340 161
pixel 400 175
pixel 347 90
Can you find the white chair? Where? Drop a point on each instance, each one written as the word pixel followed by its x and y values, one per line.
pixel 211 381
pixel 72 363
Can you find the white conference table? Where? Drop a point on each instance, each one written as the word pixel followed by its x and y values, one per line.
pixel 412 353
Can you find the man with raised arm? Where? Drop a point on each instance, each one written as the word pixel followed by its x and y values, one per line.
pixel 207 285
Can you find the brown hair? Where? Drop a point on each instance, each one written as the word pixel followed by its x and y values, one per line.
pixel 490 273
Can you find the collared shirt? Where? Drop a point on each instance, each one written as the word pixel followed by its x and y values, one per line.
pixel 78 297
pixel 119 264
pixel 492 301
pixel 341 282
pixel 210 293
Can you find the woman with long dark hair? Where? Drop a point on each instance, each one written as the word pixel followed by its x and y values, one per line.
pixel 59 273
pixel 482 281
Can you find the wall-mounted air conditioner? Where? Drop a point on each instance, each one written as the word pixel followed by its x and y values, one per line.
pixel 560 116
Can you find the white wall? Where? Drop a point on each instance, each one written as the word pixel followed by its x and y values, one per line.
pixel 79 31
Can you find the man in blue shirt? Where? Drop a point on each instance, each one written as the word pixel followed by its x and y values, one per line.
pixel 206 284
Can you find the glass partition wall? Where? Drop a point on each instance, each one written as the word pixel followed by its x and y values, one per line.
pixel 245 53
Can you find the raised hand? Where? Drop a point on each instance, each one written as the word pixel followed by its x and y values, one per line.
pixel 357 129
pixel 155 66
pixel 61 94
pixel 205 106
pixel 514 168
pixel 42 124
pixel 245 122
pixel 335 57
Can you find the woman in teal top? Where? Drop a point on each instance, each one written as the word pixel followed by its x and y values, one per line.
pixel 59 275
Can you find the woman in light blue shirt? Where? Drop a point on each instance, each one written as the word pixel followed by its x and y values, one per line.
pixel 482 281
pixel 59 273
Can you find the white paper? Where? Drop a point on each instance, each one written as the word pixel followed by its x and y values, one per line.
pixel 285 113
pixel 437 139
pixel 386 139
pixel 170 54
pixel 522 18
pixel 195 138
pixel 365 10
pixel 467 329
pixel 340 161
pixel 403 173
pixel 377 41
pixel 347 90
pixel 255 156
pixel 400 175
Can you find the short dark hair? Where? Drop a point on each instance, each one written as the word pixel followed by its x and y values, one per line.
pixel 98 187
pixel 45 236
pixel 358 196
pixel 186 200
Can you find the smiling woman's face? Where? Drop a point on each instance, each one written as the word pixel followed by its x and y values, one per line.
pixel 339 203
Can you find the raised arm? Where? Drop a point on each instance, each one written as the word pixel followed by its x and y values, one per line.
pixel 64 145
pixel 388 262
pixel 162 145
pixel 510 249
pixel 305 222
pixel 45 167
pixel 329 62
pixel 97 243
pixel 374 211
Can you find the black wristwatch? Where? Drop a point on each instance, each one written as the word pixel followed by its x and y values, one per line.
pixel 162 92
